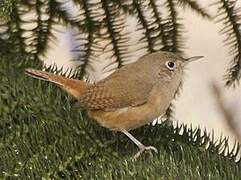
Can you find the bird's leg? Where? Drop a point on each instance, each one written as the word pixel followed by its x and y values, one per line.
pixel 141 146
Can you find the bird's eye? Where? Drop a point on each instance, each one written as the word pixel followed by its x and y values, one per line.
pixel 170 65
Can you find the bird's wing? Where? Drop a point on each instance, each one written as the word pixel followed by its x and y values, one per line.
pixel 114 93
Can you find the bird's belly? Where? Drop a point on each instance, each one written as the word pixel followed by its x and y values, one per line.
pixel 131 117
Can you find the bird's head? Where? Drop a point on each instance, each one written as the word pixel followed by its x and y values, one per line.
pixel 167 66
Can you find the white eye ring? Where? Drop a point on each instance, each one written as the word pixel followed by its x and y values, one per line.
pixel 170 65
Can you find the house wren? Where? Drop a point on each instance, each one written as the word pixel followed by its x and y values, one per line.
pixel 130 97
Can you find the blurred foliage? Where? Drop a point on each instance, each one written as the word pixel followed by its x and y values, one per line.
pixel 229 15
pixel 5 9
pixel 44 134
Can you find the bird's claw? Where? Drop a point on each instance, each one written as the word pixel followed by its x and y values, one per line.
pixel 142 149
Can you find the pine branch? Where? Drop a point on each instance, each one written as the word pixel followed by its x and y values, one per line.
pixel 5 45
pixel 193 5
pixel 114 23
pixel 137 5
pixel 87 25
pixel 157 14
pixel 16 31
pixel 148 13
pixel 173 28
pixel 229 16
pixel 91 15
pixel 63 15
pixel 85 51
pixel 103 24
pixel 42 32
pixel 5 9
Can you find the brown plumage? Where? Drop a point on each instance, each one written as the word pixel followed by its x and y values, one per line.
pixel 130 97
pixel 72 86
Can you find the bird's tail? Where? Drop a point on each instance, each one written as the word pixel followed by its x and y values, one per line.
pixel 72 86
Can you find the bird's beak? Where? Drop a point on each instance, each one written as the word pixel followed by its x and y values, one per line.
pixel 191 59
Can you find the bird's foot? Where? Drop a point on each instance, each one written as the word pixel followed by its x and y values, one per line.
pixel 142 149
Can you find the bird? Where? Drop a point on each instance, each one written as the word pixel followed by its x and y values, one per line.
pixel 130 97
